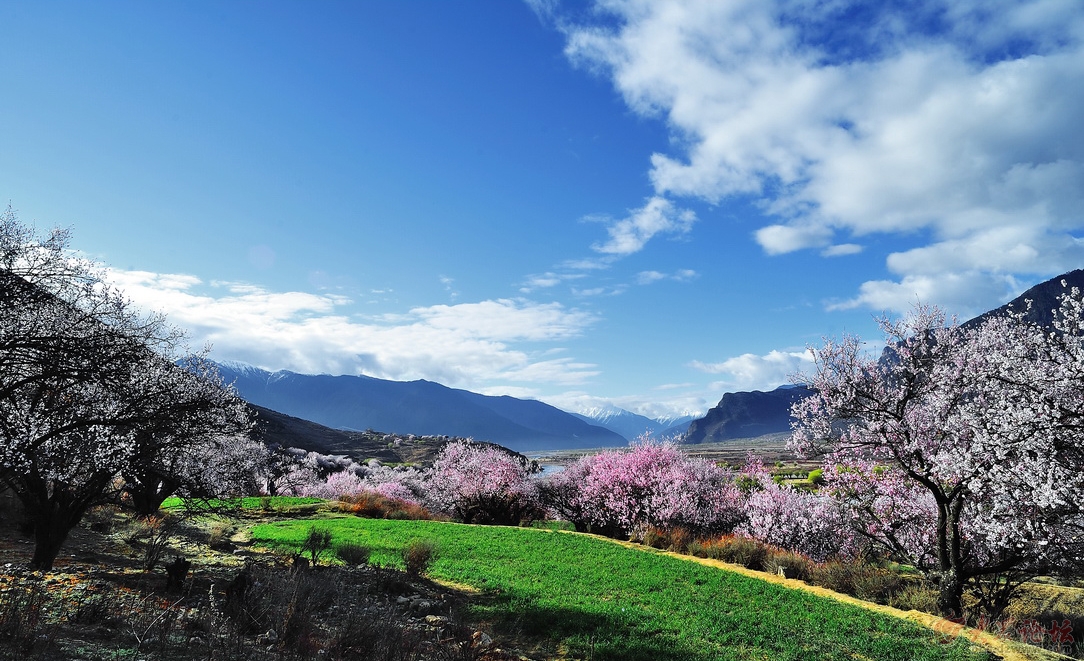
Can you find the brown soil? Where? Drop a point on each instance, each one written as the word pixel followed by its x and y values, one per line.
pixel 98 603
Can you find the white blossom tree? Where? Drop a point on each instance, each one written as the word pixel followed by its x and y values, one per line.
pixel 961 449
pixel 86 385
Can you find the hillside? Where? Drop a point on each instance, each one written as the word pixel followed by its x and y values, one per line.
pixel 274 428
pixel 422 408
pixel 746 415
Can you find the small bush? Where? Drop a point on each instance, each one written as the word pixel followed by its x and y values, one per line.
pixel 21 617
pixel 372 505
pixel 218 535
pixel 915 595
pixel 788 564
pixel 737 549
pixel 679 540
pixel 858 579
pixel 101 519
pixel 354 554
pixel 744 551
pixel 554 525
pixel 697 548
pixel 316 544
pixel 655 538
pixel 418 555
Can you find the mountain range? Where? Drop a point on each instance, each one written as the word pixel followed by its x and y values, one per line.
pixel 346 406
pixel 358 403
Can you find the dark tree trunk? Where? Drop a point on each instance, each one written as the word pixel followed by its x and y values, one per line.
pixel 148 491
pixel 950 580
pixel 49 537
pixel 53 509
pixel 950 596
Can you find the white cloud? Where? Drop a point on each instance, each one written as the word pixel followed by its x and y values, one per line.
pixel 954 120
pixel 752 372
pixel 469 344
pixel 649 405
pixel 841 249
pixel 967 293
pixel 547 280
pixel 649 277
pixel 658 216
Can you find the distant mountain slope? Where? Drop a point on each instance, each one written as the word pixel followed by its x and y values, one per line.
pixel 415 407
pixel 746 415
pixel 274 428
pixel 1044 300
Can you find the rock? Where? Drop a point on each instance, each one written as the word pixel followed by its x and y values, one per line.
pixel 480 640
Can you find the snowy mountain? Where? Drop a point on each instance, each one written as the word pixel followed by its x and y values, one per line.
pixel 632 425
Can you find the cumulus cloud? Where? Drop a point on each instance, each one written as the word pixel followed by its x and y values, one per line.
pixel 467 345
pixel 953 120
pixel 961 292
pixel 752 372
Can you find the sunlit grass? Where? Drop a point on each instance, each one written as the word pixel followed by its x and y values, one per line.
pixel 593 599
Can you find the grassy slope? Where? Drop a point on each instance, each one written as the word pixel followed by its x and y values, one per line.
pixel 594 599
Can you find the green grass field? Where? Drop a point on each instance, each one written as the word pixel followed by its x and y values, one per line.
pixel 273 503
pixel 589 598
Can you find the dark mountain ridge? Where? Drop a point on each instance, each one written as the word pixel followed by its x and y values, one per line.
pixel 423 408
pixel 746 415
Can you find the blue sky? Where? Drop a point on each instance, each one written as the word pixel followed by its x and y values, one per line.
pixel 629 203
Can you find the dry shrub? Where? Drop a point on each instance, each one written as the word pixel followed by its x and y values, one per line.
pixel 22 614
pixel 679 540
pixel 737 549
pixel 316 544
pixel 418 555
pixel 788 564
pixel 655 538
pixel 915 595
pixel 102 519
pixel 352 553
pixel 858 579
pixel 372 505
pixel 218 535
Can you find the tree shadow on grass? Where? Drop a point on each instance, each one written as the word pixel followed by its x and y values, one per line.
pixel 594 636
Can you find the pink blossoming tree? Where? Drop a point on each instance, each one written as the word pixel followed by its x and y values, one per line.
pixel 479 483
pixel 620 493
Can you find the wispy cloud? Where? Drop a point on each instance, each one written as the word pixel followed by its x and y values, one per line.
pixel 649 277
pixel 658 216
pixel 466 344
pixel 953 119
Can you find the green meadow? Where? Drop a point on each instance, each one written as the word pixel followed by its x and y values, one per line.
pixel 584 597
